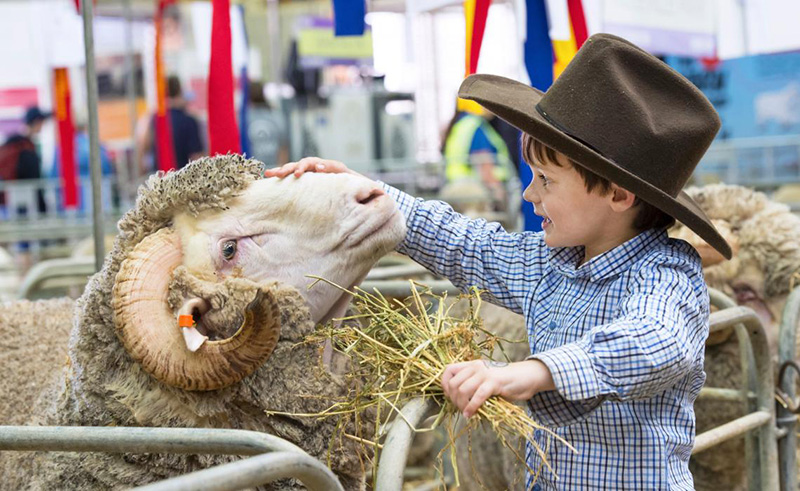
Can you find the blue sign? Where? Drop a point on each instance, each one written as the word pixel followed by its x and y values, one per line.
pixel 755 95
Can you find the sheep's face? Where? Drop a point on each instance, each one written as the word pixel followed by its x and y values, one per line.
pixel 334 226
pixel 330 225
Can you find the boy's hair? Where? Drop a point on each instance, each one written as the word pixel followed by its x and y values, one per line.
pixel 648 216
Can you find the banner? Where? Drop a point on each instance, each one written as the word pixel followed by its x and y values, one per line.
pixel 66 137
pixel 223 133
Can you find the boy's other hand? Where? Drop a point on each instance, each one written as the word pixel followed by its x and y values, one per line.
pixel 308 164
pixel 469 384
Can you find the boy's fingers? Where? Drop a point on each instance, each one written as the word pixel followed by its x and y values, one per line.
pixel 484 392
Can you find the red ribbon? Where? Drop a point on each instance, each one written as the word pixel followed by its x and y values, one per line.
pixel 578 22
pixel 165 150
pixel 66 137
pixel 223 135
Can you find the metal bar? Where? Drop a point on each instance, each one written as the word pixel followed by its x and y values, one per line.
pixel 731 430
pixel 402 288
pixel 787 421
pixel 399 271
pixel 767 454
pixel 141 440
pixel 715 393
pixel 398 441
pixel 126 168
pixel 748 385
pixel 94 144
pixel 253 472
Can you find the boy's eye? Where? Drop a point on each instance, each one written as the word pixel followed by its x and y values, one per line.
pixel 543 178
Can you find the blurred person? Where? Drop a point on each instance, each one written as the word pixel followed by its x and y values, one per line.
pixel 20 156
pixel 266 129
pixel 186 140
pixel 83 161
pixel 474 150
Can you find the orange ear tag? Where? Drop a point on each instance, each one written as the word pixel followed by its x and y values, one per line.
pixel 185 321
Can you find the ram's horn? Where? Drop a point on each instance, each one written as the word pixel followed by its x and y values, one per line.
pixel 148 329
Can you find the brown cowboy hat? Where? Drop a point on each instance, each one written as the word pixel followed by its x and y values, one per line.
pixel 621 113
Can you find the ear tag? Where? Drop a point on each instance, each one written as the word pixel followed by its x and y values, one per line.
pixel 191 335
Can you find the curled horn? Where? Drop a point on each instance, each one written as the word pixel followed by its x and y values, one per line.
pixel 148 329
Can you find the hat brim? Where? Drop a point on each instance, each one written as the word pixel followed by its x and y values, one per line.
pixel 516 104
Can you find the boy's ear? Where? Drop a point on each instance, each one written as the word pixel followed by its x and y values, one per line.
pixel 621 198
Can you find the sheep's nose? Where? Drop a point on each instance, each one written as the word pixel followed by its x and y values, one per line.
pixel 366 196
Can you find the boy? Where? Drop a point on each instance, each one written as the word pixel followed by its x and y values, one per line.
pixel 616 312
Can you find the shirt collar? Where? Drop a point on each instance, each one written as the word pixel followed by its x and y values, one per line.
pixel 610 263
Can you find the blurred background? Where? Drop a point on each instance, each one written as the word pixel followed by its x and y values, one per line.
pixel 372 84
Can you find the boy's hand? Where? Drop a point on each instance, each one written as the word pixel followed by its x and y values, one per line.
pixel 308 164
pixel 469 384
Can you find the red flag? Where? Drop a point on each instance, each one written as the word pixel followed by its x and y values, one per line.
pixel 165 151
pixel 578 19
pixel 66 137
pixel 223 135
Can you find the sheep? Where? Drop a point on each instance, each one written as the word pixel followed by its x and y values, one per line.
pixel 765 236
pixel 216 243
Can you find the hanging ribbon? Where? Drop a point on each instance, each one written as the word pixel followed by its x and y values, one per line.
pixel 165 151
pixel 475 14
pixel 66 138
pixel 578 20
pixel 223 135
pixel 348 17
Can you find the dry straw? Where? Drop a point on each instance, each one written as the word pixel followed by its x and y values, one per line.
pixel 402 349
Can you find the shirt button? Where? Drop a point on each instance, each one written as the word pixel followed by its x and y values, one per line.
pixel 552 325
pixel 537 433
pixel 536 487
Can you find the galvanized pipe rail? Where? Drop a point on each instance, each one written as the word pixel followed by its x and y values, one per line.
pixel 748 385
pixel 785 418
pixel 398 441
pixel 761 420
pixel 259 470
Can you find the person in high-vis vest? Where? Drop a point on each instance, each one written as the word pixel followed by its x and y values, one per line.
pixel 474 150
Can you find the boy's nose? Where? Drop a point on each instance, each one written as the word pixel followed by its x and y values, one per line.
pixel 530 195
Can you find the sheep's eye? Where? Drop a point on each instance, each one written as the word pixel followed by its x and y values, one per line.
pixel 228 249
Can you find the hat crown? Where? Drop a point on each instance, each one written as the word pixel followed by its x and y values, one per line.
pixel 634 110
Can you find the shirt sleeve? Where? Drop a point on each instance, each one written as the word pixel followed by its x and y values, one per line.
pixel 471 252
pixel 657 339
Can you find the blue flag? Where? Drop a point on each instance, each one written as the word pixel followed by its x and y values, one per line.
pixel 539 63
pixel 348 17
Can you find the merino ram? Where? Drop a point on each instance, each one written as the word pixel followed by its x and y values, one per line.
pixel 216 242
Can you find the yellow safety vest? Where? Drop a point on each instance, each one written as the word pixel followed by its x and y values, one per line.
pixel 456 149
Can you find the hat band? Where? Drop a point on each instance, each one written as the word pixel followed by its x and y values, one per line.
pixel 562 129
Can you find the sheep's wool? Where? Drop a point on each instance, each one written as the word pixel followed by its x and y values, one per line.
pixel 103 386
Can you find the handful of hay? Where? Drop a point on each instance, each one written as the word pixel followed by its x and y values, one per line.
pixel 402 350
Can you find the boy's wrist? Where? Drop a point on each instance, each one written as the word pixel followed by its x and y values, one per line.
pixel 524 379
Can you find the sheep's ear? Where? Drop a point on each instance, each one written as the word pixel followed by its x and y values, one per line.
pixel 151 334
pixel 708 254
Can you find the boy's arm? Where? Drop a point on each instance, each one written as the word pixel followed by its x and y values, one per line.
pixel 471 252
pixel 466 252
pixel 657 339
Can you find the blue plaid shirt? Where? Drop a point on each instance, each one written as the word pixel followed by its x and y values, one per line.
pixel 623 336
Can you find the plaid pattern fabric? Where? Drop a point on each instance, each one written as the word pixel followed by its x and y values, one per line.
pixel 623 336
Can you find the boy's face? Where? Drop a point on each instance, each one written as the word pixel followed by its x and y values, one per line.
pixel 572 215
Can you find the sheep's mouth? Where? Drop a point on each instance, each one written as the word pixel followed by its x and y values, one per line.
pixel 339 307
pixel 216 329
